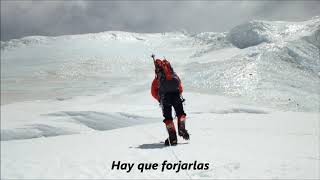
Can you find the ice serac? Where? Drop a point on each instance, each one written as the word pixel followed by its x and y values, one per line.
pixel 256 32
pixel 251 34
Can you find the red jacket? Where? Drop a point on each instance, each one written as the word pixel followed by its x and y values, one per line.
pixel 155 88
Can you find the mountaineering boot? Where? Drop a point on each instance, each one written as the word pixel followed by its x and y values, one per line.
pixel 182 127
pixel 172 140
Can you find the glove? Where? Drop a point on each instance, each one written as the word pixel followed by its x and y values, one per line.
pixel 182 99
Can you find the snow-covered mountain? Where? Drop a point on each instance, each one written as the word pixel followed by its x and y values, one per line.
pixel 252 102
pixel 275 63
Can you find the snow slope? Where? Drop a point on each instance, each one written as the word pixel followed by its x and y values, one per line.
pixel 70 105
pixel 238 141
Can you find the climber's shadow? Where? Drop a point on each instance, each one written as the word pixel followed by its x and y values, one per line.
pixel 157 145
pixel 151 146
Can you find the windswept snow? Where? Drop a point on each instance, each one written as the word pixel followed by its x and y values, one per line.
pixel 70 105
pixel 72 122
pixel 72 116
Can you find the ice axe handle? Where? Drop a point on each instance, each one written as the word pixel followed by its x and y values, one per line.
pixel 154 60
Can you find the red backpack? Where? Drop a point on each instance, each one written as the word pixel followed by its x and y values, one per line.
pixel 168 79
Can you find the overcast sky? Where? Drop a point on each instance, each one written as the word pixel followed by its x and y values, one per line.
pixel 25 18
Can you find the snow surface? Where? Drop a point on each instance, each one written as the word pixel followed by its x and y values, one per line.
pixel 70 105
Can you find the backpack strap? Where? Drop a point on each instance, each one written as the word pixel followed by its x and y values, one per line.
pixel 168 71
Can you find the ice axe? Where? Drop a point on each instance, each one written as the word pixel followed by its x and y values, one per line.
pixel 154 60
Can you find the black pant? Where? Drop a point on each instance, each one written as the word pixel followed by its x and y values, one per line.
pixel 167 101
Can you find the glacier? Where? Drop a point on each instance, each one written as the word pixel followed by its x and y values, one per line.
pixel 72 104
